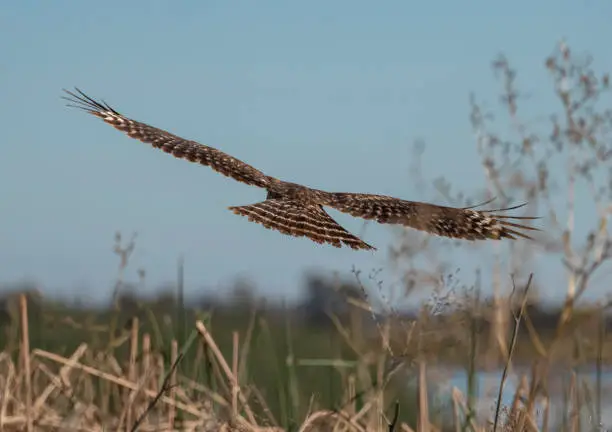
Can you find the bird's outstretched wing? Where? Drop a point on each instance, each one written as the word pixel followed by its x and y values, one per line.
pixel 461 223
pixel 300 220
pixel 176 146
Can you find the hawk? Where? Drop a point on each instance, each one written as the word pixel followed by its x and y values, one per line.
pixel 297 210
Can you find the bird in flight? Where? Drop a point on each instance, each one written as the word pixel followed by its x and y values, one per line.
pixel 297 210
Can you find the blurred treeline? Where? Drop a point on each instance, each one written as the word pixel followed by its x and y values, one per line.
pixel 311 327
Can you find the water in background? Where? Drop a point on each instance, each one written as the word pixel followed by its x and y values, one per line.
pixel 488 389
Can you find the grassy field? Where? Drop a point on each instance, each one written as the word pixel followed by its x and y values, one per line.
pixel 157 365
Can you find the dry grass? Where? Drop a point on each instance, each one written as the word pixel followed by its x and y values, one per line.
pixel 95 390
pixel 46 391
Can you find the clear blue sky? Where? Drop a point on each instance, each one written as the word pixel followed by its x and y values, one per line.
pixel 332 94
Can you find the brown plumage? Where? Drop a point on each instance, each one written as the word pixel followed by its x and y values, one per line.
pixel 297 210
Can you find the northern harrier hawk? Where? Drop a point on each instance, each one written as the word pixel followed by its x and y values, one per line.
pixel 297 210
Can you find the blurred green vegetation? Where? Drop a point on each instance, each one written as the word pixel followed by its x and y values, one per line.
pixel 302 356
pixel 297 359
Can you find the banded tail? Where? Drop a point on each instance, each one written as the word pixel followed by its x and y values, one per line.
pixel 300 220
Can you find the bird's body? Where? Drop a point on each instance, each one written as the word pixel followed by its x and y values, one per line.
pixel 297 210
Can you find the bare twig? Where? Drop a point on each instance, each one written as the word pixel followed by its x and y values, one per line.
pixel 517 322
pixel 166 385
